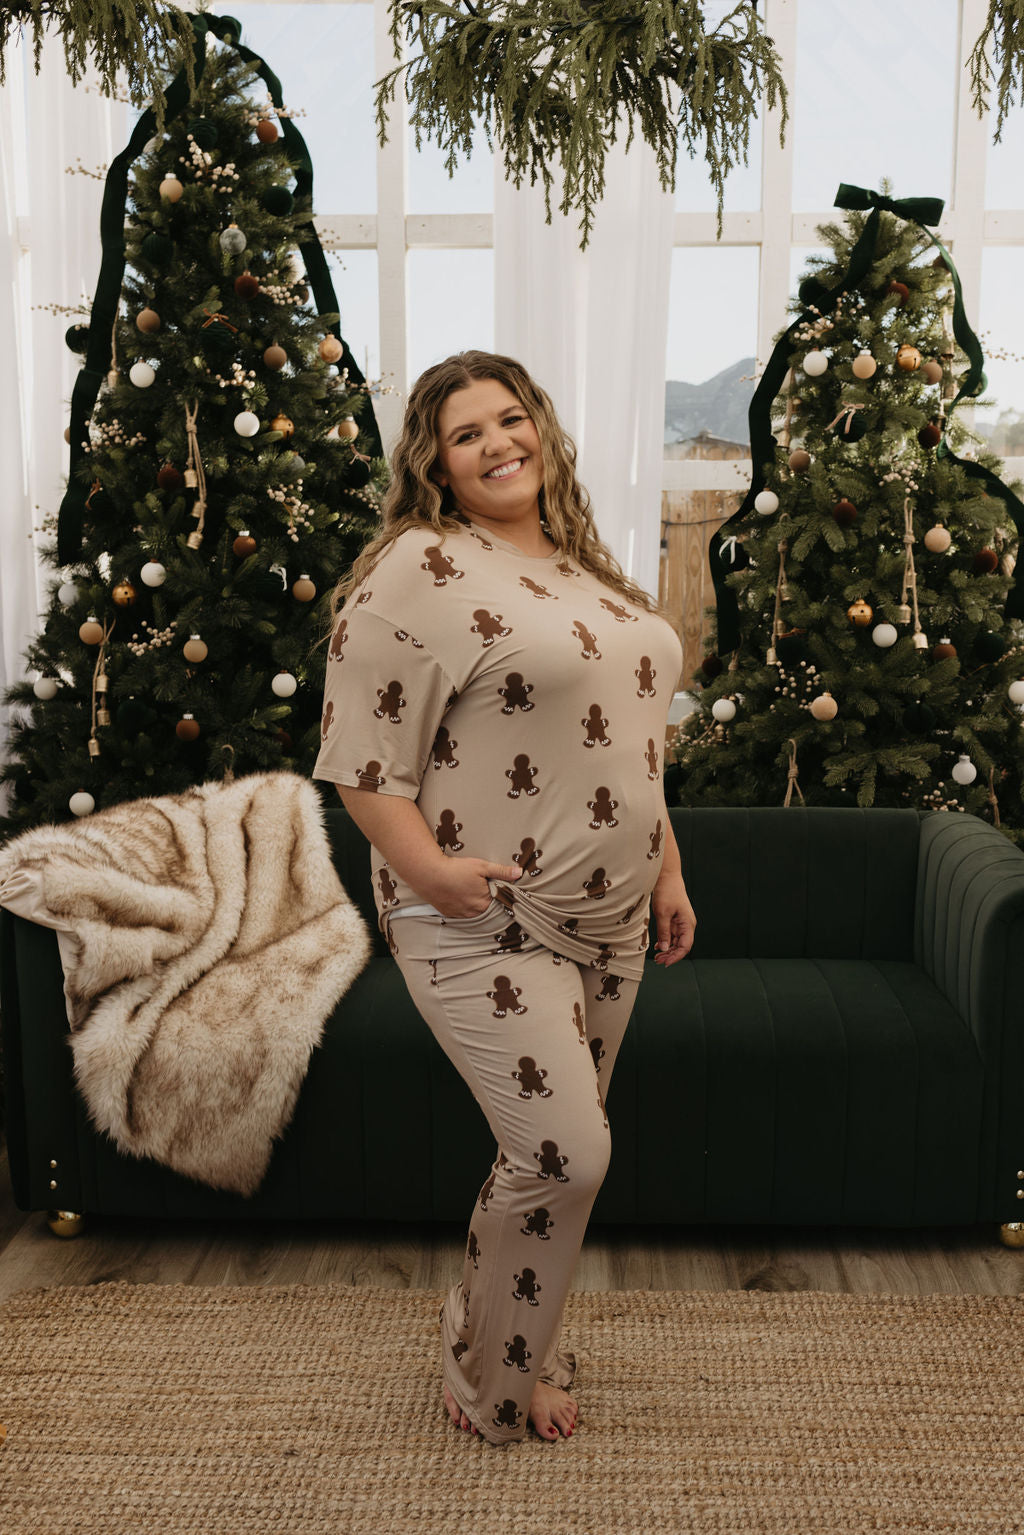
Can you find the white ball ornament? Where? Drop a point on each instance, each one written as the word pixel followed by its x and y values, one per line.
pixel 142 375
pixel 284 684
pixel 938 539
pixel 67 594
pixel 247 423
pixel 171 189
pixel 153 573
pixel 964 770
pixel 81 803
pixel 232 240
pixel 45 687
pixel 724 710
pixel 1016 692
pixel 766 502
pixel 815 364
pixel 824 707
pixel 884 635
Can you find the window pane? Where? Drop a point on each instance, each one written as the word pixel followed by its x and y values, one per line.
pixel 1004 182
pixel 694 192
pixel 451 305
pixel 323 57
pixel 1001 333
pixel 432 190
pixel 354 274
pixel 875 95
pixel 712 338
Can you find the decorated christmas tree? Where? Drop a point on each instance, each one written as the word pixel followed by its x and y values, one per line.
pixel 225 466
pixel 867 646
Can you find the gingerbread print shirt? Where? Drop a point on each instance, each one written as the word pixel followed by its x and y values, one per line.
pixel 522 705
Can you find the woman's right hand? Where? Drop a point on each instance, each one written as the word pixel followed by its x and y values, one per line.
pixel 458 887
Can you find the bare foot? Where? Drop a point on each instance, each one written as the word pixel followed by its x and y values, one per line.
pixel 552 1411
pixel 455 1412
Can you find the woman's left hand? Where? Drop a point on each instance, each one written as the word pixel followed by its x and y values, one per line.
pixel 675 922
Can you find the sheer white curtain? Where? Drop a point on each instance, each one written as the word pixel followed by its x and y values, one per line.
pixel 591 327
pixel 49 254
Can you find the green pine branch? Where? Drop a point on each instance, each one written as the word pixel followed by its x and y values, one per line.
pixel 1004 33
pixel 556 83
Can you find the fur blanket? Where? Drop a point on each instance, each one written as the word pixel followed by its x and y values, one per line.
pixel 211 939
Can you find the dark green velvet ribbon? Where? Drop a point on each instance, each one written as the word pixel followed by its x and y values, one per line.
pixel 103 315
pixel 923 211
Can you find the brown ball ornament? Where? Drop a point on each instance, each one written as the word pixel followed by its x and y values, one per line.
pixel 330 349
pixel 187 728
pixel 67 435
pixel 246 285
pixel 860 613
pixel 945 650
pixel 169 478
pixel 845 513
pixel 799 460
pixel 91 632
pixel 195 649
pixel 985 562
pixel 266 131
pixel 244 544
pixel 303 589
pixel 864 365
pixel 930 435
pixel 824 707
pixel 285 740
pixel 147 321
pixel 938 539
pixel 124 594
pixel 283 424
pixel 900 289
pixel 908 358
pixel 931 371
pixel 275 357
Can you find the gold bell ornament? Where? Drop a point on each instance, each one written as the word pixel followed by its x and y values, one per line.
pixel 860 613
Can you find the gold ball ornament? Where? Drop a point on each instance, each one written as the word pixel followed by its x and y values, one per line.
pixel 284 425
pixel 244 544
pixel 931 372
pixel 147 321
pixel 171 189
pixel 824 707
pixel 860 613
pixel 348 429
pixel 799 460
pixel 195 649
pixel 304 589
pixel 187 728
pixel 67 435
pixel 938 539
pixel 91 632
pixel 330 349
pixel 275 357
pixel 864 365
pixel 124 594
pixel 908 358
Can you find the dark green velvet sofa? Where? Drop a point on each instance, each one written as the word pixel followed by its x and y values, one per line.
pixel 845 1045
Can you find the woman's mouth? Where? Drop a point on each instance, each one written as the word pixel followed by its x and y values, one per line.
pixel 505 471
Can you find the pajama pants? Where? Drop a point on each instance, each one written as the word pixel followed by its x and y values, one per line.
pixel 534 1036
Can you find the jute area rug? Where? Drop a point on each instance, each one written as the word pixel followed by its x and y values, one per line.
pixel 132 1409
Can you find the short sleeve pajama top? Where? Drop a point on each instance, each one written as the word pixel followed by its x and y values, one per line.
pixel 522 704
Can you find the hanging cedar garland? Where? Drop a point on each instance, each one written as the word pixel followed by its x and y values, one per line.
pixel 556 81
pixel 1004 33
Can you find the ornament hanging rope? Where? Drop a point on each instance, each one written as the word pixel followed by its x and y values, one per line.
pixel 195 474
pixel 992 795
pixel 780 592
pixel 98 672
pixel 909 569
pixel 792 778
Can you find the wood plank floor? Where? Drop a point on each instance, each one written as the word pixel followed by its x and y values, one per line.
pixel 955 1260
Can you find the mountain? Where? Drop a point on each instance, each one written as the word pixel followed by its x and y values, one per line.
pixel 718 406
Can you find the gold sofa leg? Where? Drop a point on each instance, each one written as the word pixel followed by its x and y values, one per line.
pixel 65 1223
pixel 1012 1234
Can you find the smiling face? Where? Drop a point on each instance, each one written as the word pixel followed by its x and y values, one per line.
pixel 489 456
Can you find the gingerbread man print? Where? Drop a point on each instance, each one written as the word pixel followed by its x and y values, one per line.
pixel 328 720
pixel 516 1353
pixel 473 1249
pixel 597 886
pixel 489 626
pixel 604 954
pixel 603 809
pixel 391 701
pixel 538 1224
pixel 487 1191
pixel 645 675
pixel 551 1162
pixel 440 566
pixel 538 591
pixel 531 1078
pixel 655 837
pixel 587 641
pixel 516 694
pixel 447 832
pixel 370 777
pixel 597 1051
pixel 580 1022
pixel 338 639
pixel 652 760
pixel 388 888
pixel 443 749
pixel 527 1288
pixel 521 776
pixel 528 857
pixel 620 614
pixel 505 997
pixel 507 1414
pixel 565 569
pixel 510 939
pixel 609 989
pixel 595 725
pixel 460 1347
pixel 403 634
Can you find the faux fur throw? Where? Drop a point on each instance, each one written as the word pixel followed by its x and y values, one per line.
pixel 212 938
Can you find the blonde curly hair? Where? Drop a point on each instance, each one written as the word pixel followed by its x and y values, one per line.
pixel 415 499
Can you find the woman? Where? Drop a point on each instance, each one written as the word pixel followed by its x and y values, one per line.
pixel 494 714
